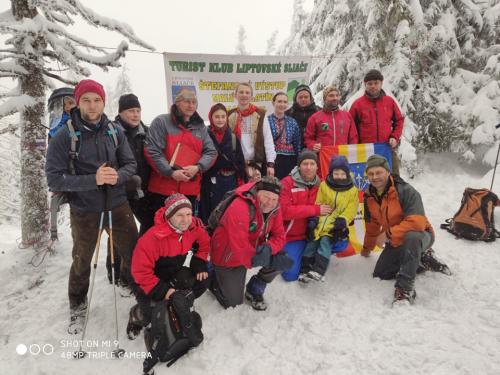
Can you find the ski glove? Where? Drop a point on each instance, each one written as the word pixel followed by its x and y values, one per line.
pixel 262 257
pixel 340 231
pixel 312 223
pixel 281 261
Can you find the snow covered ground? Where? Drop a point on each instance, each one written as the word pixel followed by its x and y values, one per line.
pixel 343 326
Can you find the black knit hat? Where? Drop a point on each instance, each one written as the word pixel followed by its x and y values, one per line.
pixel 269 183
pixel 300 88
pixel 374 75
pixel 128 101
pixel 307 155
pixel 339 162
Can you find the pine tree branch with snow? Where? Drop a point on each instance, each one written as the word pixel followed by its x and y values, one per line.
pixel 37 33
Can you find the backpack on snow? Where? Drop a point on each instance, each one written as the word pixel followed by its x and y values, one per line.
pixel 166 340
pixel 218 211
pixel 474 219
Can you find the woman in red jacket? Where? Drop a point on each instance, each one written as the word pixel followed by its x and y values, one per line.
pixel 297 202
pixel 160 254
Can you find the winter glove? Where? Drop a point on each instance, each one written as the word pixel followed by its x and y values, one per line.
pixel 281 261
pixel 262 257
pixel 312 223
pixel 340 231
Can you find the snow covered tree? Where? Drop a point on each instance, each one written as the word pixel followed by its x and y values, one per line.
pixel 440 59
pixel 240 46
pixel 271 43
pixel 122 86
pixel 37 39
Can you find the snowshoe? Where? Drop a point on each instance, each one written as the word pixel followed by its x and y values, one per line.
pixel 430 263
pixel 77 318
pixel 403 296
pixel 257 302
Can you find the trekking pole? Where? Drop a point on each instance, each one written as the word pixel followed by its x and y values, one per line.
pixel 496 162
pixel 80 353
pixel 118 352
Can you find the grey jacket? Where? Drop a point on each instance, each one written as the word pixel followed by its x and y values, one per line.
pixel 94 148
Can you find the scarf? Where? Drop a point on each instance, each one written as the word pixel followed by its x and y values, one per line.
pixel 239 119
pixel 339 185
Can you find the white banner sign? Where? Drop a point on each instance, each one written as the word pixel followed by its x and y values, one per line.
pixel 214 77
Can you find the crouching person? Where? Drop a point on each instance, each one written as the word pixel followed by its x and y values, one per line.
pixel 157 267
pixel 250 234
pixel 332 233
pixel 395 208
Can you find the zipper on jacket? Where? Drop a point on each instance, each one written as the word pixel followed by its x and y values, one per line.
pixel 334 207
pixel 264 226
pixel 334 132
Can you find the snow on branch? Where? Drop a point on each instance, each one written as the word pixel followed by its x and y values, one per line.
pixel 94 19
pixel 11 93
pixel 17 104
pixel 59 78
pixel 11 128
pixel 12 67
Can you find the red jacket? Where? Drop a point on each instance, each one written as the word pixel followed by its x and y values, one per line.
pixel 234 243
pixel 377 120
pixel 330 129
pixel 298 204
pixel 161 252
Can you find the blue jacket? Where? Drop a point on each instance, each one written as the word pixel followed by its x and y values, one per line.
pixel 94 147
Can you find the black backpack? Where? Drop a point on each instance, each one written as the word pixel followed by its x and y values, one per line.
pixel 474 219
pixel 175 329
pixel 216 214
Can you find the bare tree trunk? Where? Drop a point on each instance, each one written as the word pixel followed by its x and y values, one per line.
pixel 34 202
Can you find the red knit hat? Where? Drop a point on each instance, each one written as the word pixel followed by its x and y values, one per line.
pixel 174 203
pixel 88 85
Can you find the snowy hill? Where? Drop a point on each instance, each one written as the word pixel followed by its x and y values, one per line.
pixel 343 326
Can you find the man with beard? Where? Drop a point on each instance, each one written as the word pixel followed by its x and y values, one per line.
pixel 331 126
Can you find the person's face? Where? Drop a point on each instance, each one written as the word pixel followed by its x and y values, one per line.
pixel 268 200
pixel 280 104
pixel 373 87
pixel 131 116
pixel 308 169
pixel 187 107
pixel 69 104
pixel 378 177
pixel 332 99
pixel 243 95
pixel 182 219
pixel 91 107
pixel 303 99
pixel 339 174
pixel 219 118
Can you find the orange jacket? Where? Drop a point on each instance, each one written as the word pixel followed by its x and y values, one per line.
pixel 398 211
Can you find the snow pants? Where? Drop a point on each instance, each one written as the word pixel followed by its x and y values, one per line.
pixel 402 262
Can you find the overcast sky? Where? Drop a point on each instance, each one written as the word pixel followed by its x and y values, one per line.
pixel 189 26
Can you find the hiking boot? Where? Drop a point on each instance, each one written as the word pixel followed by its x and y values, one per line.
pixel 430 263
pixel 77 318
pixel 135 323
pixel 316 276
pixel 256 301
pixel 404 296
pixel 303 278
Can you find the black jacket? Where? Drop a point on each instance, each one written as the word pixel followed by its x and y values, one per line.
pixel 301 115
pixel 227 158
pixel 136 137
pixel 95 146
